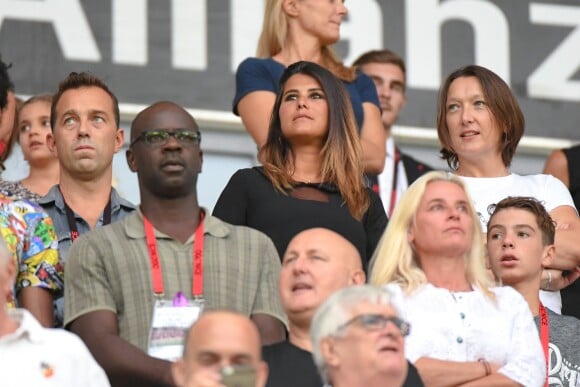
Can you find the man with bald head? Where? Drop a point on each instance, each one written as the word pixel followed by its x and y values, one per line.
pixel 132 286
pixel 317 263
pixel 218 341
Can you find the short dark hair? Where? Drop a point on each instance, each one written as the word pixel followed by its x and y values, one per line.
pixel 76 81
pixel 533 206
pixel 382 56
pixel 5 83
pixel 503 106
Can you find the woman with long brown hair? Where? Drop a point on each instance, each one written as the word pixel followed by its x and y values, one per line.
pixel 305 30
pixel 312 174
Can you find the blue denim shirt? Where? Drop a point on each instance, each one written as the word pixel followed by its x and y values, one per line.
pixel 53 204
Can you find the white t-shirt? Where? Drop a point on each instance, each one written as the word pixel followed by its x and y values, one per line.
pixel 485 191
pixel 36 356
pixel 467 326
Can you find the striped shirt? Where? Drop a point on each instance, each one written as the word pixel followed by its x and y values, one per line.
pixel 109 269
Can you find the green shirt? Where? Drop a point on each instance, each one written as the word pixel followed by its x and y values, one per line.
pixel 109 269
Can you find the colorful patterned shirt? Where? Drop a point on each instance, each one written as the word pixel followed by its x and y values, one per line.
pixel 31 238
pixel 17 191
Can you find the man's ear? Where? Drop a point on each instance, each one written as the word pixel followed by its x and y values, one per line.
pixel 358 278
pixel 262 374
pixel 119 139
pixel 178 372
pixel 130 156
pixel 548 255
pixel 328 352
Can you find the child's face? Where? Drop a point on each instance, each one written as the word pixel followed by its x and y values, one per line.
pixel 515 247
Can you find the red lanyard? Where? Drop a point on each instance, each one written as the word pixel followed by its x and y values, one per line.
pixel 394 186
pixel 197 288
pixel 545 338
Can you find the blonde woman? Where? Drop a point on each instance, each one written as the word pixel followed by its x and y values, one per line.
pixel 465 330
pixel 297 30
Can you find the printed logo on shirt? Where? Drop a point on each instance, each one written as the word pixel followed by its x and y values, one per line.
pixel 561 372
pixel 47 370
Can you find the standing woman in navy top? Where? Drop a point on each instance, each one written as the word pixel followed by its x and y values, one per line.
pixel 312 174
pixel 296 30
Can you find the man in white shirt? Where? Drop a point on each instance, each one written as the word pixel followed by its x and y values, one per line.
pixel 36 356
pixel 387 70
pixel 359 340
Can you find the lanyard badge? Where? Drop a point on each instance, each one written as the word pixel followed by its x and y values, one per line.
pixel 172 318
pixel 169 325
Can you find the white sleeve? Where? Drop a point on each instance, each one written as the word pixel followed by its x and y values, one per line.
pixel 525 364
pixel 397 299
pixel 556 194
pixel 88 371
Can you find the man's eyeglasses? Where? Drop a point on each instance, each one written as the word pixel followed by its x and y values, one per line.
pixel 160 137
pixel 375 322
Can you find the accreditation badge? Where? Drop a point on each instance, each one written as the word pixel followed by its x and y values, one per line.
pixel 169 324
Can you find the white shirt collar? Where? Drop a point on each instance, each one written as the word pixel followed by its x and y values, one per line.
pixel 28 327
pixel 390 145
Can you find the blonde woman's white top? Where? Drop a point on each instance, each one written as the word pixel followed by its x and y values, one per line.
pixel 468 326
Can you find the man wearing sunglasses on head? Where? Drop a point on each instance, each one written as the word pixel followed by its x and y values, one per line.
pixel 134 287
pixel 358 340
pixel 85 136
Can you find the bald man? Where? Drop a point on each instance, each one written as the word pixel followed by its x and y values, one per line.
pixel 119 276
pixel 218 340
pixel 317 263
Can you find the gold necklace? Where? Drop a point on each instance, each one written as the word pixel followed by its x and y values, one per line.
pixel 303 180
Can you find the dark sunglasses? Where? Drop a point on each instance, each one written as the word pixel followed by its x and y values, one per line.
pixel 375 322
pixel 160 137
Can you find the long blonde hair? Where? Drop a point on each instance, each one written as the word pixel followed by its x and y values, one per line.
pixel 395 260
pixel 275 31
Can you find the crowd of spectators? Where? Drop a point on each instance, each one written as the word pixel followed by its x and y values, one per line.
pixel 339 260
